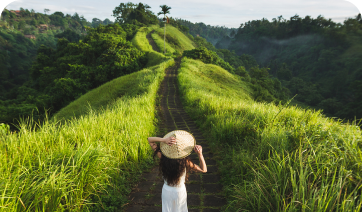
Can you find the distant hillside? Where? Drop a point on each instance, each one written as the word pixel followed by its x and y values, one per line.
pixel 211 33
pixel 23 31
pixel 317 59
pixel 22 34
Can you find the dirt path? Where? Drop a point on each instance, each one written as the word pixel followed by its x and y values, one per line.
pixel 152 42
pixel 204 192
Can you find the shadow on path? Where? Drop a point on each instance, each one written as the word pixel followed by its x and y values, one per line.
pixel 204 192
pixel 152 42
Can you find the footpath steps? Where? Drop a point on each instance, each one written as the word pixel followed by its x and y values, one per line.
pixel 204 191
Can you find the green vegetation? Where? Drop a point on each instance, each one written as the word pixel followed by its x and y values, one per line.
pixel 22 33
pixel 164 10
pixel 273 158
pixel 315 58
pixel 85 163
pixel 175 40
pixel 160 42
pixel 212 33
pixel 140 41
pixel 137 14
pixel 63 75
pixel 209 57
pixel 265 87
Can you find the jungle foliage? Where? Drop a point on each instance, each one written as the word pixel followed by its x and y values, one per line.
pixel 64 59
pixel 58 76
pixel 266 87
pixel 208 57
pixel 317 59
pixel 22 32
pixel 137 14
pixel 212 33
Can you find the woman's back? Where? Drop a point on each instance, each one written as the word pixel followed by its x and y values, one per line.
pixel 174 198
pixel 181 181
pixel 174 165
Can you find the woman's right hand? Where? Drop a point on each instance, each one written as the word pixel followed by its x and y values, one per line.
pixel 170 141
pixel 198 149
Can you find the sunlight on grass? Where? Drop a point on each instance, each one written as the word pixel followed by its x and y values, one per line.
pixel 140 41
pixel 95 158
pixel 273 157
pixel 160 43
pixel 175 40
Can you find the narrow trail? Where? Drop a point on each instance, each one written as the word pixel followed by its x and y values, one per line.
pixel 152 42
pixel 204 192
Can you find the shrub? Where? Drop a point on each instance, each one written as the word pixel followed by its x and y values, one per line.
pixel 208 57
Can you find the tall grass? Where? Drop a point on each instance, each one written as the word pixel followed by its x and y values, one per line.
pixel 159 40
pixel 140 41
pixel 273 157
pixel 175 40
pixel 86 163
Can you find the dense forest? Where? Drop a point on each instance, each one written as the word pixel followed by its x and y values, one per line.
pixel 317 59
pixel 314 59
pixel 212 33
pixel 41 53
pixel 79 56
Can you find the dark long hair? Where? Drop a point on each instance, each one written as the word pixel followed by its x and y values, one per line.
pixel 172 169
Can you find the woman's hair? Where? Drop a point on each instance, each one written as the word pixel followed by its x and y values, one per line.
pixel 172 169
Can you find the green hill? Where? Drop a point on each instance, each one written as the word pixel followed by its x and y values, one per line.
pixel 315 58
pixel 272 157
pixel 94 156
pixel 175 40
pixel 23 34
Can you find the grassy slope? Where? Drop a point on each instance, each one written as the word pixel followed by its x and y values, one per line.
pixel 161 44
pixel 93 156
pixel 140 41
pixel 105 95
pixel 180 41
pixel 273 158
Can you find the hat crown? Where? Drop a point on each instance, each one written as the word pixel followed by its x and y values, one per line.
pixel 183 147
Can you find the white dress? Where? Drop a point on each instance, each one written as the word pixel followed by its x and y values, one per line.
pixel 174 198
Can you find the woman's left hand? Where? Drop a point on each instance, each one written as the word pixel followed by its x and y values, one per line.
pixel 170 141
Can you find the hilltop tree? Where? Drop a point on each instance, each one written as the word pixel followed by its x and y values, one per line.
pixel 122 12
pixel 96 22
pixel 46 11
pixel 137 14
pixel 142 14
pixel 164 10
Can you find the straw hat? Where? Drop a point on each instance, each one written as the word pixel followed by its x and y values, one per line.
pixel 185 143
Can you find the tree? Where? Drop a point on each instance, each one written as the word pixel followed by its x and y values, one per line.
pixel 164 10
pixel 46 11
pixel 122 12
pixel 76 17
pixel 96 22
pixel 107 21
pixel 141 16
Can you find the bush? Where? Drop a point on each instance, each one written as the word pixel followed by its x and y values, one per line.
pixel 208 57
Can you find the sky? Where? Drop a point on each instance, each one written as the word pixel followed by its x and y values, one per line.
pixel 229 13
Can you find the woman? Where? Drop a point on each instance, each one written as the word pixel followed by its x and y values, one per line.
pixel 174 165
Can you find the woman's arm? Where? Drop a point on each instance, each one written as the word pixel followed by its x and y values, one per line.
pixel 202 168
pixel 152 141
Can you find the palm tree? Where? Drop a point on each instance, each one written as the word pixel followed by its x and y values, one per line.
pixel 165 9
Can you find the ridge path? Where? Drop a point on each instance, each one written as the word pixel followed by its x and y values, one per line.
pixel 152 42
pixel 204 192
